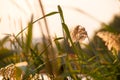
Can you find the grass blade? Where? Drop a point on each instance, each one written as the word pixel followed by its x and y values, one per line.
pixel 49 14
pixel 29 34
pixel 61 14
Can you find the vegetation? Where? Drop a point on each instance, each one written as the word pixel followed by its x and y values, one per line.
pixel 62 58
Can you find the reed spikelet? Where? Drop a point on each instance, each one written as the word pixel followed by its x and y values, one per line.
pixel 8 71
pixel 78 34
pixel 12 72
pixel 112 41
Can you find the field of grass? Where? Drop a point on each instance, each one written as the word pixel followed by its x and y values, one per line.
pixel 62 57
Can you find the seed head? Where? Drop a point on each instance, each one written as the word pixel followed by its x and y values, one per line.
pixel 111 40
pixel 78 34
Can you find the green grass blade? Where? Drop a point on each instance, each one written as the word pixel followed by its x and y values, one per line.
pixel 29 34
pixel 5 53
pixel 36 57
pixel 58 45
pixel 18 42
pixel 56 39
pixel 49 14
pixel 61 14
pixel 67 31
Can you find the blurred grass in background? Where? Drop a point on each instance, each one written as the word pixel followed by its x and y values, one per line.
pixel 62 57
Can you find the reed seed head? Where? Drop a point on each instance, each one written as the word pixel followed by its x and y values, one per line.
pixel 111 40
pixel 78 34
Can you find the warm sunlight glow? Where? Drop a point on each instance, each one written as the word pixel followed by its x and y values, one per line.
pixel 59 39
pixel 13 14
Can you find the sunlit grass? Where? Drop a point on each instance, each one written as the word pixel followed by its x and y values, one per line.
pixel 67 58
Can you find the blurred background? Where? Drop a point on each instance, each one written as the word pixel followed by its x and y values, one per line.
pixel 87 13
pixel 99 59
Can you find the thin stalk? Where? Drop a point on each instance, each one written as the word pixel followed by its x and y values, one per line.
pixel 45 21
pixel 49 39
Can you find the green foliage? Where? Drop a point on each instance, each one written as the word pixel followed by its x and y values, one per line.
pixel 66 58
pixel 29 33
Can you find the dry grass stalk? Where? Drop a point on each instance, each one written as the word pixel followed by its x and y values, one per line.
pixel 78 34
pixel 112 41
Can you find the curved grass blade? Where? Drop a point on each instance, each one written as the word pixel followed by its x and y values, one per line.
pixel 66 34
pixel 61 14
pixel 49 14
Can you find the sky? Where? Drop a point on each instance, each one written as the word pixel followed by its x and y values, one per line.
pixel 16 13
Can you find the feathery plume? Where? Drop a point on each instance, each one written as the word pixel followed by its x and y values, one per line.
pixel 112 41
pixel 78 34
